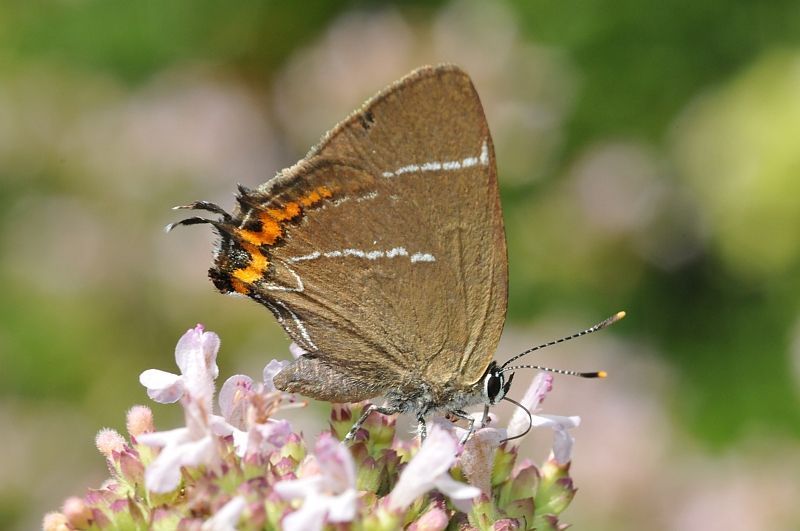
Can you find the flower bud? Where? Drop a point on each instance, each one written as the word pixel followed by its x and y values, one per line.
pixel 139 420
pixel 78 514
pixel 55 522
pixel 109 441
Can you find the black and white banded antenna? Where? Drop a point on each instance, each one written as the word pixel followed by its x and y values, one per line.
pixel 596 374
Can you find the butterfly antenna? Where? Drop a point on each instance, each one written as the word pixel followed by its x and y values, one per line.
pixel 593 374
pixel 222 226
pixel 598 374
pixel 205 205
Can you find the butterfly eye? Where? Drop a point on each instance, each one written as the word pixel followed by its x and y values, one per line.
pixel 494 386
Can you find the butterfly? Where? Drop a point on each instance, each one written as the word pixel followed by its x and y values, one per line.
pixel 382 254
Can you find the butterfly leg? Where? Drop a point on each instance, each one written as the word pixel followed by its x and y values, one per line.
pixel 485 418
pixel 363 418
pixel 470 423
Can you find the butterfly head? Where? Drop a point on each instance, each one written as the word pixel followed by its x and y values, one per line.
pixel 495 384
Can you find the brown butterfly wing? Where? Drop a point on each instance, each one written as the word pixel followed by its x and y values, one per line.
pixel 383 251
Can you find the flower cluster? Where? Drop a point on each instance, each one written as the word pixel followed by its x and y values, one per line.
pixel 246 469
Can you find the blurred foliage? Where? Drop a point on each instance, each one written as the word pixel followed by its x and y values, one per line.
pixel 133 40
pixel 664 180
pixel 640 62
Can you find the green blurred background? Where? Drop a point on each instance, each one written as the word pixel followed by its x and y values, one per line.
pixel 649 158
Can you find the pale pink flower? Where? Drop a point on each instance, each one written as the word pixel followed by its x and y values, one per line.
pixel 272 368
pixel 434 519
pixel 477 453
pixel 260 438
pixel 541 384
pixel 234 400
pixel 429 469
pixel 226 518
pixel 297 350
pixel 189 446
pixel 193 445
pixel 562 441
pixel 236 405
pixel 329 495
pixel 196 356
pixel 460 433
pixel 477 457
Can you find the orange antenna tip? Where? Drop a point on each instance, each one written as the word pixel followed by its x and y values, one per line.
pixel 604 374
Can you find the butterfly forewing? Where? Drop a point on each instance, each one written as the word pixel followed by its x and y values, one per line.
pixel 387 255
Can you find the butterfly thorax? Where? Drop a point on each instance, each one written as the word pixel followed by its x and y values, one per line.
pixel 422 398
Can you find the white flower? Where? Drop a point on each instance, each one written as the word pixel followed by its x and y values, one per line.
pixel 329 495
pixel 429 469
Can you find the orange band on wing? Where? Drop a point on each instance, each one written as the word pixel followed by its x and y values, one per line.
pixel 255 270
pixel 269 233
pixel 271 219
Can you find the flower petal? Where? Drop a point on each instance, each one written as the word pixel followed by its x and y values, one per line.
pixel 198 380
pixel 342 508
pixel 189 344
pixel 562 446
pixel 297 350
pixel 556 420
pixel 455 489
pixel 233 399
pixel 299 488
pixel 336 463
pixel 272 368
pixel 200 452
pixel 261 437
pixel 219 426
pixel 211 344
pixel 433 459
pixel 540 386
pixel 196 343
pixel 164 473
pixel 434 519
pixel 309 517
pixel 477 457
pixel 164 438
pixel 163 387
pixel 226 518
pixel 562 439
pixel 276 432
pixel 241 442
